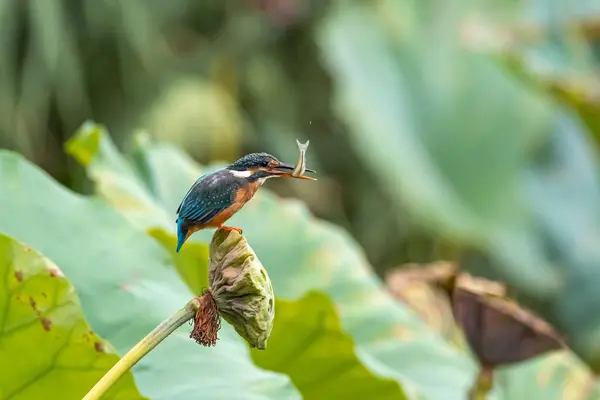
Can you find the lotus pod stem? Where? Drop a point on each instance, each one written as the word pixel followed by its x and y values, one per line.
pixel 239 290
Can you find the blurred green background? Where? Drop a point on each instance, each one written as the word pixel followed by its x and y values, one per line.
pixel 218 78
pixel 224 78
pixel 459 130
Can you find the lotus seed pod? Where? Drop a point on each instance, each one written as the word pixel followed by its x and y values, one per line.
pixel 241 287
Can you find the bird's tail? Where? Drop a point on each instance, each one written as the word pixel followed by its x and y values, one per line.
pixel 181 233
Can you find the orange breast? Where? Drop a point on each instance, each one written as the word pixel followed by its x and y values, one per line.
pixel 242 196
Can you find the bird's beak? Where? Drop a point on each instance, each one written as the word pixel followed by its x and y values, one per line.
pixel 285 171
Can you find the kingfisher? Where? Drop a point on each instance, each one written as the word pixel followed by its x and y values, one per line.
pixel 215 197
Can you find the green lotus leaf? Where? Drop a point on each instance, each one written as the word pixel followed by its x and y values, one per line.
pixel 46 345
pixel 308 331
pixel 301 255
pixel 127 285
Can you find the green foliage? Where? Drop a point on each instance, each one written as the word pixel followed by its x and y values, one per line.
pixel 463 178
pixel 46 345
pixel 300 254
pixel 223 80
pixel 303 255
pixel 128 283
pixel 422 133
pixel 558 376
pixel 324 359
pixel 191 262
pixel 476 154
pixel 127 286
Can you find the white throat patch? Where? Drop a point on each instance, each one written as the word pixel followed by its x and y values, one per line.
pixel 240 174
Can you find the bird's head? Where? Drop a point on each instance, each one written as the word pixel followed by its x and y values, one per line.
pixel 261 166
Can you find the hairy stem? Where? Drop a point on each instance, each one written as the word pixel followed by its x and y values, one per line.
pixel 142 348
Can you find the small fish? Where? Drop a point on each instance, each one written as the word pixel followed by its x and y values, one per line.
pixel 301 164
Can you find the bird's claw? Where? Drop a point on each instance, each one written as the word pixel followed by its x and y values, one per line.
pixel 231 228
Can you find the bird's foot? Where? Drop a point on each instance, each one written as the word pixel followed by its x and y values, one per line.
pixel 231 228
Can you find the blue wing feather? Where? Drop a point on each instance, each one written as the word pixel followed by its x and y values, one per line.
pixel 201 213
pixel 208 197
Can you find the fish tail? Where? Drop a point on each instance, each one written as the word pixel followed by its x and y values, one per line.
pixel 303 146
pixel 181 233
